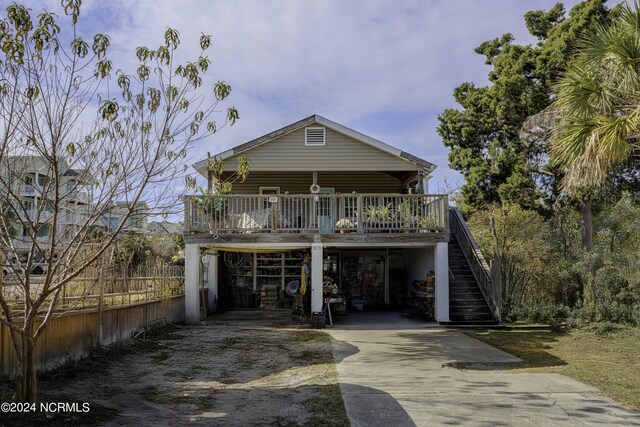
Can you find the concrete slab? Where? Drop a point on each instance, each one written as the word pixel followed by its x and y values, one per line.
pixel 402 375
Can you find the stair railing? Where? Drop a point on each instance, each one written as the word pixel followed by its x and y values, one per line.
pixel 481 271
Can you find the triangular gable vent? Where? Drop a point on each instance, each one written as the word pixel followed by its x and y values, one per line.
pixel 314 136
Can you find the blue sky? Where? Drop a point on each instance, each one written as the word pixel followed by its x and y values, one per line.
pixel 385 68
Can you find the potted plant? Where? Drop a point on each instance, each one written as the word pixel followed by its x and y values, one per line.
pixel 344 224
pixel 429 223
pixel 215 208
pixel 409 211
pixel 378 215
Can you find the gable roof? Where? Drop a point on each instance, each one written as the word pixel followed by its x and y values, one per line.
pixel 201 165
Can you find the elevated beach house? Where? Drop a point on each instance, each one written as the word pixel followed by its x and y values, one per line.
pixel 359 209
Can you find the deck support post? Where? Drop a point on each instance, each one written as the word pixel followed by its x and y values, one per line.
pixel 316 277
pixel 442 281
pixel 212 280
pixel 192 283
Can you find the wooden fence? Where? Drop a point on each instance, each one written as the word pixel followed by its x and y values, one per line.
pixel 104 288
pixel 74 334
pixel 99 307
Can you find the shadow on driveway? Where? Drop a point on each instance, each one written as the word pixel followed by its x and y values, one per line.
pixel 408 374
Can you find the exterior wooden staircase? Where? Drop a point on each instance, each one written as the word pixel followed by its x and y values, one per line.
pixel 473 297
pixel 467 304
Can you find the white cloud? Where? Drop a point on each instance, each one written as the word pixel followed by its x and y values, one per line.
pixel 384 67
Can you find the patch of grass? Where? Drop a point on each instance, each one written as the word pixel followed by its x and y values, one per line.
pixel 247 362
pixel 530 345
pixel 224 377
pixel 155 395
pixel 312 357
pixel 161 357
pixel 309 336
pixel 205 402
pixel 193 372
pixel 236 343
pixel 150 342
pixel 606 359
pixel 327 407
pixel 190 373
pixel 285 348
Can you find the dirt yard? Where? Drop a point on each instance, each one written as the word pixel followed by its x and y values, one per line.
pixel 229 371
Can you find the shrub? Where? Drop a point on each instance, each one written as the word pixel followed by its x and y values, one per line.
pixel 548 314
pixel 604 328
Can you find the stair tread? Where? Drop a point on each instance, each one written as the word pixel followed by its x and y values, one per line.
pixel 467 305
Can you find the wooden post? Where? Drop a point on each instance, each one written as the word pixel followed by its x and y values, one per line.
pixel 446 211
pixel 187 221
pixel 360 216
pixel 315 199
pixel 386 279
pixel 496 287
pixel 274 221
pixel 100 304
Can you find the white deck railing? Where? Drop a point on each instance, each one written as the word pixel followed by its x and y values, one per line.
pixel 316 213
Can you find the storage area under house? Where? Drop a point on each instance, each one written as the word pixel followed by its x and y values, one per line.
pixel 366 279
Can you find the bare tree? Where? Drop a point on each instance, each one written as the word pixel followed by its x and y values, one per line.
pixel 75 136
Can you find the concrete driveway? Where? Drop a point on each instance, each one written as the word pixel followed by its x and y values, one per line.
pixel 394 371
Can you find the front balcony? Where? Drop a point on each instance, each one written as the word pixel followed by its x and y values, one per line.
pixel 351 214
pixel 27 190
pixel 35 216
pixel 71 194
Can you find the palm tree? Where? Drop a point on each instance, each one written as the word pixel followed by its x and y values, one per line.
pixel 598 108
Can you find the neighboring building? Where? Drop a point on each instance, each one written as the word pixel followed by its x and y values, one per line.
pixel 317 187
pixel 136 223
pixel 163 228
pixel 31 179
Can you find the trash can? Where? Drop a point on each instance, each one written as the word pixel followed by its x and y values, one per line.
pixel 317 320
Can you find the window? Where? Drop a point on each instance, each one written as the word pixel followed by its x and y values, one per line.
pixel 43 230
pixel 29 203
pixel 49 206
pixel 314 136
pixel 269 190
pixel 266 203
pixel 114 221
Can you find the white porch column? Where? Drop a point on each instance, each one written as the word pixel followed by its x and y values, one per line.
pixel 442 281
pixel 316 277
pixel 191 283
pixel 212 280
pixel 425 183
